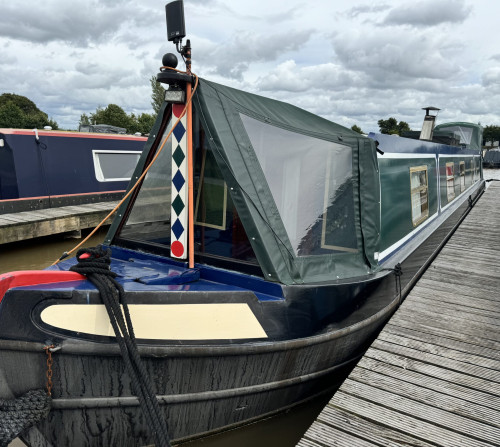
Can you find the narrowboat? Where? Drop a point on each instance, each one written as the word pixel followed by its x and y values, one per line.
pixel 257 290
pixel 42 169
pixel 492 159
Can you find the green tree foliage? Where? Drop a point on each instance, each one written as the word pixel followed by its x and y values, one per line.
pixel 356 128
pixel 115 116
pixel 11 116
pixel 391 126
pixel 157 95
pixel 491 134
pixel 84 119
pixel 19 112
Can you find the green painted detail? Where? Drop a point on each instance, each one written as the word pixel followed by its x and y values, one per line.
pixel 178 156
pixel 178 205
pixel 395 185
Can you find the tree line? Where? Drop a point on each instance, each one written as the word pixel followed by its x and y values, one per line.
pixel 114 115
pixel 19 112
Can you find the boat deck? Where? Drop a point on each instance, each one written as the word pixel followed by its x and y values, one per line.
pixel 432 377
pixel 30 224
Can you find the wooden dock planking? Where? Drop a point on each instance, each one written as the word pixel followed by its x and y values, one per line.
pixel 30 224
pixel 432 377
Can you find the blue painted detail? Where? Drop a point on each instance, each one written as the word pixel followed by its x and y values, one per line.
pixel 64 172
pixel 141 272
pixel 177 228
pixel 178 180
pixel 179 131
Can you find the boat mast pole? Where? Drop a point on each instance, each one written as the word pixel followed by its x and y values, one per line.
pixel 187 52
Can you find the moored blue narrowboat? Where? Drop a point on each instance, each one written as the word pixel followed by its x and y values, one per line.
pixel 305 236
pixel 42 169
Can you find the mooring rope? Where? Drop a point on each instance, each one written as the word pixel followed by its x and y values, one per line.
pixel 94 263
pixel 21 413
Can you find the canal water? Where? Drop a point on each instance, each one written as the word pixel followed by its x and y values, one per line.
pixel 284 430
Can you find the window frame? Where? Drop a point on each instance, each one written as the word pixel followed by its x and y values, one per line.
pixel 198 197
pixel 462 176
pixel 99 174
pixel 325 217
pixel 451 177
pixel 424 215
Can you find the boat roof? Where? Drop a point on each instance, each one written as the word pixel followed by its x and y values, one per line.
pixel 70 134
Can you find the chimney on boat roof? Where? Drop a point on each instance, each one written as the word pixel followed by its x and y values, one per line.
pixel 428 125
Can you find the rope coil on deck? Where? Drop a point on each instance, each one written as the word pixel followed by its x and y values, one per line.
pixel 94 263
pixel 18 414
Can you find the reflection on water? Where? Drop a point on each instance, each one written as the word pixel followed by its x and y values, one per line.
pixel 284 430
pixel 491 174
pixel 39 253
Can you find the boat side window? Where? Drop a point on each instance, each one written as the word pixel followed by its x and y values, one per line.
pixel 462 176
pixel 419 194
pixel 312 186
pixel 114 166
pixel 450 181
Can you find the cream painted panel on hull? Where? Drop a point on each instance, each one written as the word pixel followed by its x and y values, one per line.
pixel 221 321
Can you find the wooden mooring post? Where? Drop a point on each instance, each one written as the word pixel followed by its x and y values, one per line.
pixel 66 219
pixel 432 377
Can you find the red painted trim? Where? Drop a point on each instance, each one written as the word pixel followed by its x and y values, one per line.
pixel 65 195
pixel 35 277
pixel 56 133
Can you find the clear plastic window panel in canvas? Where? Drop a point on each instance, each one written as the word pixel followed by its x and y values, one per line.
pixel 149 219
pixel 312 186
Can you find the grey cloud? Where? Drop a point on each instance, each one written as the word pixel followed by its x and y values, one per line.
pixel 233 59
pixel 366 9
pixel 428 13
pixel 491 78
pixel 397 56
pixel 78 23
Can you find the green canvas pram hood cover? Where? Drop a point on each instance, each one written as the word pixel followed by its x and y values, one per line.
pixel 306 189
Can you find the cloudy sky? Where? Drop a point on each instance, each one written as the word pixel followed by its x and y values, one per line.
pixel 353 62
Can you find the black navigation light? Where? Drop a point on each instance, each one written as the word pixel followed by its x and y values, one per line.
pixel 176 29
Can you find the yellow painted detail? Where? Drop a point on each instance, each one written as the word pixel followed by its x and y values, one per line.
pixel 220 321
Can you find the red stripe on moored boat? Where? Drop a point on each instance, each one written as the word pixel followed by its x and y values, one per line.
pixel 34 277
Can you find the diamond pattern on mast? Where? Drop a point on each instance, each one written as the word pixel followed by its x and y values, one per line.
pixel 179 131
pixel 178 205
pixel 178 156
pixel 177 228
pixel 178 181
